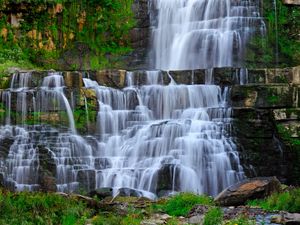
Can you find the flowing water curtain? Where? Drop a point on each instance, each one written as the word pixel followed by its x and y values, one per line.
pixel 193 34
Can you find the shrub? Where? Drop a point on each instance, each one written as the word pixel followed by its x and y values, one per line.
pixel 213 217
pixel 181 204
pixel 288 201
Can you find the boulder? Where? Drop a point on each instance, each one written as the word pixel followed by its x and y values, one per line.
pixel 286 218
pixel 292 218
pixel 101 193
pixel 248 189
pixel 124 192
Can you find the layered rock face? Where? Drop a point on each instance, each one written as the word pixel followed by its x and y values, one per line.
pixel 264 123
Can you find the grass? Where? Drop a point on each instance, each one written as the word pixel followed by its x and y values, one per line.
pixel 213 217
pixel 26 208
pixel 287 201
pixel 182 203
pixel 134 217
pixel 240 221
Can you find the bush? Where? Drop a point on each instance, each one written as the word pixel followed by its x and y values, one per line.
pixel 181 204
pixel 213 217
pixel 288 201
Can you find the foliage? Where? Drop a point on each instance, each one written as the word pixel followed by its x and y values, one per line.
pixel 63 34
pixel 182 203
pixel 283 28
pixel 213 217
pixel 288 201
pixel 286 134
pixel 37 208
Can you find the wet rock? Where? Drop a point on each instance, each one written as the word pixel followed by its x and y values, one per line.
pixel 111 78
pixel 242 211
pixel 165 179
pixel 157 219
pixel 199 219
pixel 277 219
pixel 101 193
pixel 86 179
pixel 1 180
pixel 292 219
pixel 46 170
pixel 102 163
pixel 248 189
pixel 73 79
pixel 198 210
pixel 5 146
pixel 153 222
pixel 123 192
pixel 286 218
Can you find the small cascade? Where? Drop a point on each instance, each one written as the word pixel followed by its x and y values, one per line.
pixel 195 34
pixel 175 128
pixel 147 133
pixel 52 97
pixel 22 162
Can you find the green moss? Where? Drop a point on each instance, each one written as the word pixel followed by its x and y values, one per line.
pixel 286 134
pixel 273 99
pixel 288 201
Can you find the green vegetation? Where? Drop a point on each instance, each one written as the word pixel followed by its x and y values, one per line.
pixel 213 217
pixel 27 208
pixel 65 34
pixel 132 218
pixel 288 201
pixel 240 221
pixel 287 26
pixel 181 204
pixel 273 99
pixel 39 208
pixel 286 133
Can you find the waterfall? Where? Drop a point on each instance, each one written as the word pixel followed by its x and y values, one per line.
pixel 175 128
pixel 52 90
pixel 154 136
pixel 193 34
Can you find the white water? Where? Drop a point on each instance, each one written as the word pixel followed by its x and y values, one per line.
pixel 52 97
pixel 179 127
pixel 145 134
pixel 193 34
pixel 153 137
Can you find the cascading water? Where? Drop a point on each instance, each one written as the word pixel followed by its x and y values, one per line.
pixel 193 34
pixel 176 131
pixel 152 137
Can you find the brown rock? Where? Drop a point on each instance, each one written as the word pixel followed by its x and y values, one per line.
pixel 254 188
pixel 292 2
